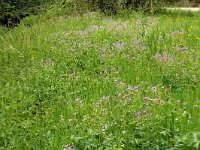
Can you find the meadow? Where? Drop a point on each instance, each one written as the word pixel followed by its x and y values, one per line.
pixel 126 82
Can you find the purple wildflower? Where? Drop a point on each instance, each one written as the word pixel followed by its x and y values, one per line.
pixel 145 111
pixel 119 45
pixel 82 32
pixel 178 49
pixel 77 99
pixel 164 57
pixel 106 97
pixel 137 114
pixel 94 28
pixel 118 83
pixel 130 88
pixel 177 32
pixel 147 98
pixel 147 104
pixel 68 147
pixel 184 49
pixel 104 48
pixel 127 100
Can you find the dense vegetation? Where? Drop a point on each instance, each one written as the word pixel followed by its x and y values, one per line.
pixel 74 79
pixel 96 82
pixel 12 11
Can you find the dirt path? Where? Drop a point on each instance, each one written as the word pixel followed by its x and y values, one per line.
pixel 186 8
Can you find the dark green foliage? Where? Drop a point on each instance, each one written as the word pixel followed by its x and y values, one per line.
pixel 111 7
pixel 108 7
pixel 12 11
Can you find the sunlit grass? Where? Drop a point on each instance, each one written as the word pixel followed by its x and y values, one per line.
pixel 96 82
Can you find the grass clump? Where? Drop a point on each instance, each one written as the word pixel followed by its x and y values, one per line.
pixel 96 82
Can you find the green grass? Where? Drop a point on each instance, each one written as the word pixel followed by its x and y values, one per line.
pixel 96 82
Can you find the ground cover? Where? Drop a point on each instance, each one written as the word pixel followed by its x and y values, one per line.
pixel 94 82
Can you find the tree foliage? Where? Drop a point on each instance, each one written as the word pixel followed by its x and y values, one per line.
pixel 12 11
pixel 111 7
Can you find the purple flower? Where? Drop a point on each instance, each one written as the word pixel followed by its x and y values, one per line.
pixel 147 104
pixel 82 32
pixel 163 57
pixel 145 111
pixel 106 97
pixel 137 114
pixel 147 98
pixel 94 28
pixel 118 83
pixel 177 32
pixel 130 88
pixel 104 48
pixel 119 45
pixel 68 147
pixel 134 39
pixel 77 99
pixel 178 49
pixel 127 100
pixel 185 49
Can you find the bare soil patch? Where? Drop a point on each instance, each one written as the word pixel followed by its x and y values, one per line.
pixel 186 8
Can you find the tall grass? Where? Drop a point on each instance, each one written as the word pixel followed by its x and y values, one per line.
pixel 96 82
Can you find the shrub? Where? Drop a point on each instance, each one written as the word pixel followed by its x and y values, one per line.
pixel 12 11
pixel 111 7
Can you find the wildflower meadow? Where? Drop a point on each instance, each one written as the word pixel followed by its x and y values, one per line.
pixel 124 82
